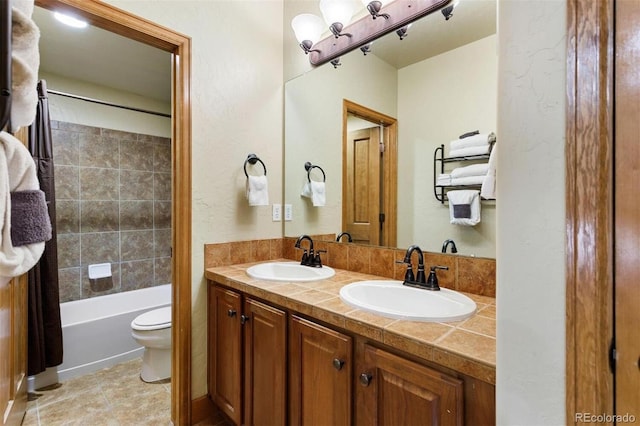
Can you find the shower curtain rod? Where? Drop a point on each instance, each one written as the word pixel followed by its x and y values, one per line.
pixel 98 101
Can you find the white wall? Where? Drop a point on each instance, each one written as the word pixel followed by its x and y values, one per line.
pixel 236 99
pixel 91 114
pixel 530 386
pixel 439 99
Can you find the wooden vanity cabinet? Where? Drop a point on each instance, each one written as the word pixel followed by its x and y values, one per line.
pixel 394 390
pixel 320 374
pixel 247 369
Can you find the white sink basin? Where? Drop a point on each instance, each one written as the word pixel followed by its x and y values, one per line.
pixel 289 271
pixel 392 299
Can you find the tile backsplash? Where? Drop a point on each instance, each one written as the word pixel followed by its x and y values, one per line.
pixel 468 274
pixel 113 204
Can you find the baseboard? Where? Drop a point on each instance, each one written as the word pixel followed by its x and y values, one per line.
pixel 202 408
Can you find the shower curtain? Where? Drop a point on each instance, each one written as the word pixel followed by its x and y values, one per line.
pixel 45 328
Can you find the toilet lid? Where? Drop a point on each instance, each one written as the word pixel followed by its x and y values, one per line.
pixel 153 320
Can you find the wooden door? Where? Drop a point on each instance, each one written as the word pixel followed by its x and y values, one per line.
pixel 627 207
pixel 394 391
pixel 363 186
pixel 225 345
pixel 319 375
pixel 265 364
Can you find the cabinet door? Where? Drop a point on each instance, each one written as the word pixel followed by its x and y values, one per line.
pixel 265 364
pixel 393 390
pixel 225 345
pixel 319 375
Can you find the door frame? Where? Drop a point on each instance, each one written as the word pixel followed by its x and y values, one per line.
pixel 389 193
pixel 120 22
pixel 589 207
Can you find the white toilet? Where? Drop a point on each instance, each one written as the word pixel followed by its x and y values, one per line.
pixel 152 330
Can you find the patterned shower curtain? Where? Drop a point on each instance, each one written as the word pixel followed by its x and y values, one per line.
pixel 45 328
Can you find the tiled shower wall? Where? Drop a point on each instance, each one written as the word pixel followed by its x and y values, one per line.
pixel 113 202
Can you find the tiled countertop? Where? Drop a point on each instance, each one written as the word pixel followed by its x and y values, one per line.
pixel 467 346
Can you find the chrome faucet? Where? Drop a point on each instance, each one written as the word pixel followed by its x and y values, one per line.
pixel 342 234
pixel 446 243
pixel 309 258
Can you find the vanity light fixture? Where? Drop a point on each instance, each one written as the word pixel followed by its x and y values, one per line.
pixel 70 20
pixel 336 63
pixel 308 30
pixel 374 8
pixel 337 14
pixel 403 32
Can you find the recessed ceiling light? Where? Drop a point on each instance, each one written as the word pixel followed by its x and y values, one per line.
pixel 70 20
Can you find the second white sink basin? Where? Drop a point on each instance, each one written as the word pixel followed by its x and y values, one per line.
pixel 392 299
pixel 289 271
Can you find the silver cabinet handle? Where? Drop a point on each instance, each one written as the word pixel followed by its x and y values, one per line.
pixel 231 313
pixel 338 363
pixel 244 319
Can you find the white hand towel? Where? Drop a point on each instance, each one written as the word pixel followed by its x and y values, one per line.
pixel 475 140
pixel 318 194
pixel 306 190
pixel 464 207
pixel 25 58
pixel 468 180
pixel 472 170
pixel 443 179
pixel 472 150
pixel 257 190
pixel 17 173
pixel 488 190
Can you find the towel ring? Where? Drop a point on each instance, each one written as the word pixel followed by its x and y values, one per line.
pixel 253 159
pixel 308 166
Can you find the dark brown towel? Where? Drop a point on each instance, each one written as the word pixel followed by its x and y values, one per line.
pixel 29 218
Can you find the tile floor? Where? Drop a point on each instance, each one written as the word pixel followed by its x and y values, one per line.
pixel 114 396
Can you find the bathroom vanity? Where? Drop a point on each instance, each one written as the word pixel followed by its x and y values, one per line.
pixel 294 353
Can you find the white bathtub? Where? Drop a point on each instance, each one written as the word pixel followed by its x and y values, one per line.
pixel 96 332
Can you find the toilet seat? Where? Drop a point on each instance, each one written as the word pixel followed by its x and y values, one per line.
pixel 156 319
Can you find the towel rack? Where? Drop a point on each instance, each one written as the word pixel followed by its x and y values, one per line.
pixel 253 159
pixel 308 167
pixel 5 63
pixel 439 160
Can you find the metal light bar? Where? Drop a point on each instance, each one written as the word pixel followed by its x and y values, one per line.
pixel 365 30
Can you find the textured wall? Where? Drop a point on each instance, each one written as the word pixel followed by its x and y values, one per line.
pixel 113 202
pixel 531 211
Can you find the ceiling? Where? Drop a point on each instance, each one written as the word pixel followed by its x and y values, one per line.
pixel 87 54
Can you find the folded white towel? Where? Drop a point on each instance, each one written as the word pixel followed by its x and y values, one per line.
pixel 488 190
pixel 468 180
pixel 472 150
pixel 443 179
pixel 464 207
pixel 475 140
pixel 257 190
pixel 316 191
pixel 472 170
pixel 17 173
pixel 25 58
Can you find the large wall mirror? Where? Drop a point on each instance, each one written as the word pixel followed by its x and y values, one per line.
pixel 437 84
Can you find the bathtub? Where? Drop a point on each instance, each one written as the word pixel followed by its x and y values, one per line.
pixel 96 332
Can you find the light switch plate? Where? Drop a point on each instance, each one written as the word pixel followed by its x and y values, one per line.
pixel 276 212
pixel 288 212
